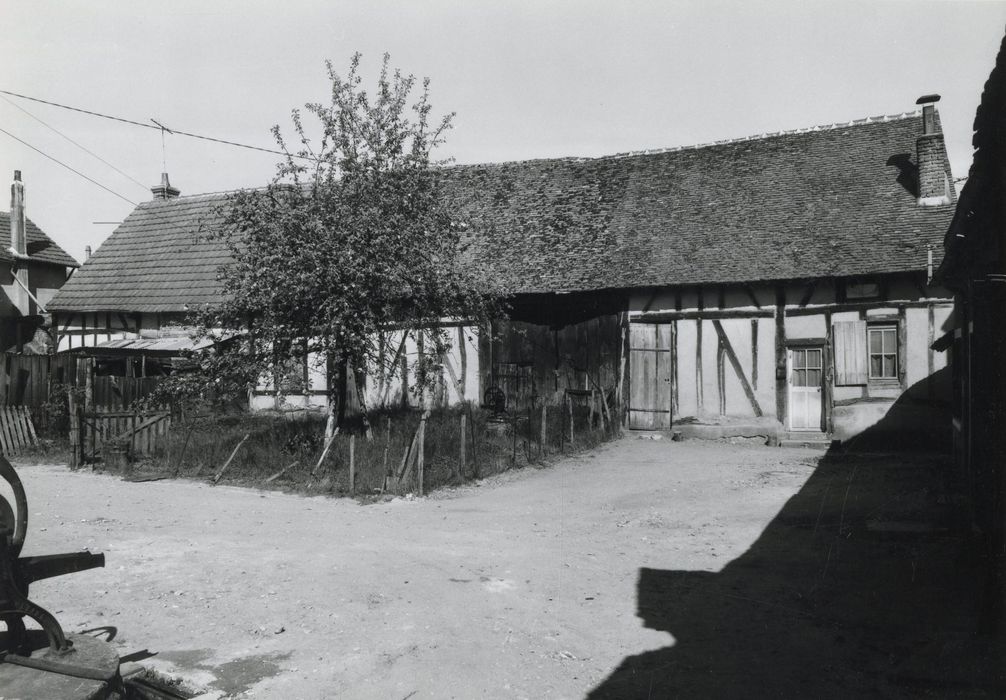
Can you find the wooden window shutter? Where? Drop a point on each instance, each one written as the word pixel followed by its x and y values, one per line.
pixel 850 353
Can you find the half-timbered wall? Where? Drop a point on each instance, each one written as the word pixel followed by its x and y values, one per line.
pixel 732 349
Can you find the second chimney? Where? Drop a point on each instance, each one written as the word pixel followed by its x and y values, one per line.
pixel 931 157
pixel 165 190
pixel 19 244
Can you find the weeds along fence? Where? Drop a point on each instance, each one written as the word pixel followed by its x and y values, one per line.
pixel 408 451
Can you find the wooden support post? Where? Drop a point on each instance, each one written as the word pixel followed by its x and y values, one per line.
pixel 569 409
pixel 74 412
pixel 698 364
pixel 230 459
pixel 931 359
pixel 282 471
pixel 721 376
pixel 462 457
pixel 619 386
pixel 420 461
pixel 324 452
pixel 780 354
pixel 387 442
pixel 89 437
pixel 829 375
pixel 902 348
pixel 352 464
pixel 590 411
pixel 865 388
pixel 754 354
pixel 544 422
pixel 675 411
pixel 463 359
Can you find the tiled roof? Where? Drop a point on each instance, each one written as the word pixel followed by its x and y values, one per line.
pixel 829 201
pixel 41 248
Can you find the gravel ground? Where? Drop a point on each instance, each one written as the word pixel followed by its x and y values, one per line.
pixel 535 584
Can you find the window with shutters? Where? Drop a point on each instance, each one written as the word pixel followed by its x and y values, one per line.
pixel 883 351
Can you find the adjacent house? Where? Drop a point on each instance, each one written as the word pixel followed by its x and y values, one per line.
pixel 32 268
pixel 975 269
pixel 766 285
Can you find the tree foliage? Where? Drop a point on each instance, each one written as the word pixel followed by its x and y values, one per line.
pixel 355 234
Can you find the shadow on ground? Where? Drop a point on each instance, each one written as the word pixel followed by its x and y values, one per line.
pixel 862 586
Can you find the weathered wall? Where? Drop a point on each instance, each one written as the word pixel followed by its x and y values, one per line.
pixel 529 359
pixel 708 388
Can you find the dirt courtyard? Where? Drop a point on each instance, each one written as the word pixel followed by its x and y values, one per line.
pixel 645 568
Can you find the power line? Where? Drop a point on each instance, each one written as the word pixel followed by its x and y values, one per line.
pixel 149 126
pixel 83 148
pixel 77 172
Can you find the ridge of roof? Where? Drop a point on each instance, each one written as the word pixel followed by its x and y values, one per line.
pixel 707 144
pixel 621 154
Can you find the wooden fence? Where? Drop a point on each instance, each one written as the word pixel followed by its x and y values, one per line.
pixel 16 429
pixel 138 431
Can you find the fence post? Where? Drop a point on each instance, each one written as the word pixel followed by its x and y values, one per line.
pixel 352 464
pixel 544 422
pixel 462 461
pixel 420 449
pixel 74 428
pixel 387 443
pixel 569 407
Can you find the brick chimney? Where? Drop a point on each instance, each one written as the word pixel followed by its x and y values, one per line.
pixel 165 190
pixel 19 245
pixel 931 157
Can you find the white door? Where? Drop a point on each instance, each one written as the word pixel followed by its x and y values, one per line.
pixel 806 374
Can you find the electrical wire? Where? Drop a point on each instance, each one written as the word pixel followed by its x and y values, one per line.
pixel 83 148
pixel 150 126
pixel 73 170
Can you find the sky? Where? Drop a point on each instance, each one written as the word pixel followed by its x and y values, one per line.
pixel 526 79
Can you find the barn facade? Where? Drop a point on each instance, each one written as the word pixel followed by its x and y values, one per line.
pixel 776 284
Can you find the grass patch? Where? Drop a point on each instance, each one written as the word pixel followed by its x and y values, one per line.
pixel 197 450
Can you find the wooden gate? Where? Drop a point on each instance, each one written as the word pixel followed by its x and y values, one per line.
pixel 650 376
pixel 139 430
pixel 16 429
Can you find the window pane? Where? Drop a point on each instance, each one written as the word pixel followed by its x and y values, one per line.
pixel 813 377
pixel 890 340
pixel 889 366
pixel 876 366
pixel 799 359
pixel 814 358
pixel 876 341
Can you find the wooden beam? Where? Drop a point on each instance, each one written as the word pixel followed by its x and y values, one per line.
pixel 721 373
pixel 674 370
pixel 707 314
pixel 463 356
pixel 864 306
pixel 735 363
pixel 698 364
pixel 829 377
pixel 780 353
pixel 902 348
pixel 931 357
pixel 752 296
pixel 754 353
pixel 865 389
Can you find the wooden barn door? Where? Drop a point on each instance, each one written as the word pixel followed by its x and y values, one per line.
pixel 650 376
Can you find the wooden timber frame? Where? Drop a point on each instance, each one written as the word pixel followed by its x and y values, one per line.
pixel 791 306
